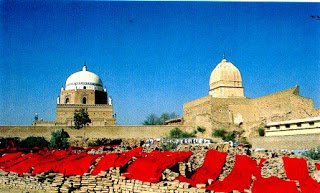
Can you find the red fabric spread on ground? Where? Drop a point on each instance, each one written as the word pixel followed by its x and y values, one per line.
pixel 49 162
pixel 26 165
pixel 105 163
pixel 79 166
pixel 150 167
pixel 210 169
pixel 63 165
pixel 273 185
pixel 124 158
pixel 239 178
pixel 318 166
pixel 8 165
pixel 297 169
pixel 9 156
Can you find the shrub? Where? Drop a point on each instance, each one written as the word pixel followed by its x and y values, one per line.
pixel 219 133
pixel 261 132
pixel 188 135
pixel 313 153
pixel 177 133
pixel 9 142
pixel 201 129
pixel 32 141
pixel 168 144
pixel 59 139
pixel 228 137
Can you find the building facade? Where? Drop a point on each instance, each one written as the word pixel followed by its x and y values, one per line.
pixel 227 107
pixel 84 89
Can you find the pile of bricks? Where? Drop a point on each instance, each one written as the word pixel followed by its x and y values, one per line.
pixel 112 181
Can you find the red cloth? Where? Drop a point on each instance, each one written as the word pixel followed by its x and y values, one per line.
pixel 318 166
pixel 6 166
pixel 49 162
pixel 124 158
pixel 79 166
pixel 105 163
pixel 297 169
pixel 210 169
pixel 150 167
pixel 273 185
pixel 9 157
pixel 62 166
pixel 26 165
pixel 239 178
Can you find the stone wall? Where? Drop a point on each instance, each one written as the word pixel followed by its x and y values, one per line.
pixel 287 142
pixel 112 132
pixel 247 113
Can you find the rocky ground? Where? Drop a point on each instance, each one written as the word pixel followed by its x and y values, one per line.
pixel 112 181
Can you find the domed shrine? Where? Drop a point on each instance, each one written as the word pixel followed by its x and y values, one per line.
pixel 227 107
pixel 84 89
pixel 225 81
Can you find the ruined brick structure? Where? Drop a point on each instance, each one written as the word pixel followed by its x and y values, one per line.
pixel 227 107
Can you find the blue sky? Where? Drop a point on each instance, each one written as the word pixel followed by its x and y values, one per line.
pixel 152 56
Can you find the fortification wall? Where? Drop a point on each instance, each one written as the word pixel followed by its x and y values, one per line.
pixel 198 112
pixel 287 142
pixel 92 132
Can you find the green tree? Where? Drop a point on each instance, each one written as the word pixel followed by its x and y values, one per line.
pixel 173 115
pixel 59 139
pixel 81 118
pixel 164 117
pixel 152 119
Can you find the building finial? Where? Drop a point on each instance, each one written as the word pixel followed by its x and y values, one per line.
pixel 84 68
pixel 223 56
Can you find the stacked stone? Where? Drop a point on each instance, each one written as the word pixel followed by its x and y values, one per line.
pixel 230 160
pixel 273 167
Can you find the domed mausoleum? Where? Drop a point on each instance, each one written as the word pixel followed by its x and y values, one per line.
pixel 84 89
pixel 225 81
pixel 227 107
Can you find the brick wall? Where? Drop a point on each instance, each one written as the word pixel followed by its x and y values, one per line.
pixel 287 142
pixel 91 132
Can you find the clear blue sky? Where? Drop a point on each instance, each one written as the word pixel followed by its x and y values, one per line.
pixel 152 56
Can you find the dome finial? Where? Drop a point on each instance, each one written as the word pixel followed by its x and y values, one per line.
pixel 84 68
pixel 223 58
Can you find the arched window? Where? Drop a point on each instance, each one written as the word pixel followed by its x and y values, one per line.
pixel 66 101
pixel 84 87
pixel 84 100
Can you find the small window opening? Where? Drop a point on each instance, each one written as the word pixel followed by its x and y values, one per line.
pixel 287 126
pixel 84 100
pixel 66 101
pixel 84 87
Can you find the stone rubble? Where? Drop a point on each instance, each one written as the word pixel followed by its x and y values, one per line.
pixel 111 181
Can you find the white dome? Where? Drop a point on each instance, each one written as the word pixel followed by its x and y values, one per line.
pixel 84 80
